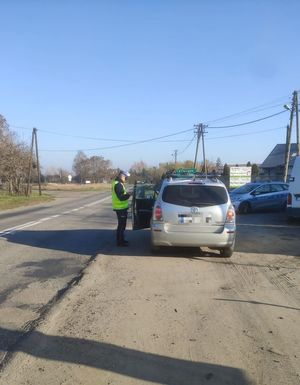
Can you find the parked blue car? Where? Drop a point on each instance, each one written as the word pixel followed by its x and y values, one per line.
pixel 260 196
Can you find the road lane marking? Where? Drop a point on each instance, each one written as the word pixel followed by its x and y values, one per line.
pixel 96 202
pixel 14 229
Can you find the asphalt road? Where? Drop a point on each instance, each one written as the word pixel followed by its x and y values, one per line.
pixel 183 316
pixel 43 249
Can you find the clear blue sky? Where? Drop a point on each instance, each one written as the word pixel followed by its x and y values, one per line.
pixel 135 70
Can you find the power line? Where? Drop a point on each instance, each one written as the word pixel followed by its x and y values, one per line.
pixel 129 142
pixel 74 136
pixel 86 137
pixel 105 139
pixel 20 127
pixel 157 139
pixel 124 145
pixel 252 109
pixel 189 144
pixel 91 149
pixel 246 133
pixel 250 122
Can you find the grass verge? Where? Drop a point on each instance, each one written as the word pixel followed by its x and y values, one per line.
pixel 75 187
pixel 12 201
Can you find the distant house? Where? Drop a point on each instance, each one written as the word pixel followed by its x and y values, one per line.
pixel 272 167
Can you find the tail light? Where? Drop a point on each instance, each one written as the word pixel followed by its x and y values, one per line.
pixel 158 213
pixel 289 199
pixel 230 215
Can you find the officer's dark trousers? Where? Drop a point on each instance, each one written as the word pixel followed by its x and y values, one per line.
pixel 122 219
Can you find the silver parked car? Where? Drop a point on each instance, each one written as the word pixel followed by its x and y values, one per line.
pixel 260 196
pixel 187 211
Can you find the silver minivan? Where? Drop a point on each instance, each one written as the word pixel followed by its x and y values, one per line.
pixel 194 212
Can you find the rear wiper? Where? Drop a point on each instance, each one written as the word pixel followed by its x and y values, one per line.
pixel 201 204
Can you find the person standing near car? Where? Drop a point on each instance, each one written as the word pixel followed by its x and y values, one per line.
pixel 120 205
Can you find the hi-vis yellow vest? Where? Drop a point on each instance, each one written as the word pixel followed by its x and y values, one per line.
pixel 116 203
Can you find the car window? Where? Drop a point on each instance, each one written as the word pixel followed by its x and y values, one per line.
pixel 276 187
pixel 244 189
pixel 194 195
pixel 262 190
pixel 145 191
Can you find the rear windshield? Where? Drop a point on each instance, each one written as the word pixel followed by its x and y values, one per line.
pixel 194 195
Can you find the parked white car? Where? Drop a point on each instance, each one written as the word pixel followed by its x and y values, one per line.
pixel 293 201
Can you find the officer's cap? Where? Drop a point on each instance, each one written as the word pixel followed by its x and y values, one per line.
pixel 125 173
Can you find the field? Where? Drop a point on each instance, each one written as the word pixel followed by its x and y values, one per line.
pixel 75 187
pixel 13 201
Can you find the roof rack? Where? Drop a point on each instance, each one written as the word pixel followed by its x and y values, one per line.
pixel 192 174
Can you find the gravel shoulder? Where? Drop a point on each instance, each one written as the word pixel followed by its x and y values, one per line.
pixel 181 317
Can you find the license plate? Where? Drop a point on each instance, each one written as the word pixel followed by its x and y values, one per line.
pixel 183 219
pixel 197 219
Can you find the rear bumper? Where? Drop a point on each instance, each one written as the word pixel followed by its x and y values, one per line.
pixel 161 237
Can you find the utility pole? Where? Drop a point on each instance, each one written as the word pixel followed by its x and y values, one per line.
pixel 33 140
pixel 30 164
pixel 288 135
pixel 37 161
pixel 203 150
pixel 175 156
pixel 287 151
pixel 297 121
pixel 199 130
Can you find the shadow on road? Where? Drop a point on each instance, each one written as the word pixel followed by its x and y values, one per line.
pixel 251 238
pixel 128 362
pixel 257 303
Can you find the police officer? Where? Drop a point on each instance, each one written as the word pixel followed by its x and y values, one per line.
pixel 120 205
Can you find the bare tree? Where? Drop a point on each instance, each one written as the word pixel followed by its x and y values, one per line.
pixel 98 168
pixel 80 166
pixel 14 159
pixel 95 168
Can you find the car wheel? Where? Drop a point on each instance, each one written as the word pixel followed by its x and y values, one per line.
pixel 283 207
pixel 245 208
pixel 226 252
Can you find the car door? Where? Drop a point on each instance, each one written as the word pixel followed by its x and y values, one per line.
pixel 261 198
pixel 279 196
pixel 143 198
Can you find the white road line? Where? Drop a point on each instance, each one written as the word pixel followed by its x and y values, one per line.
pixel 14 229
pixel 96 202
